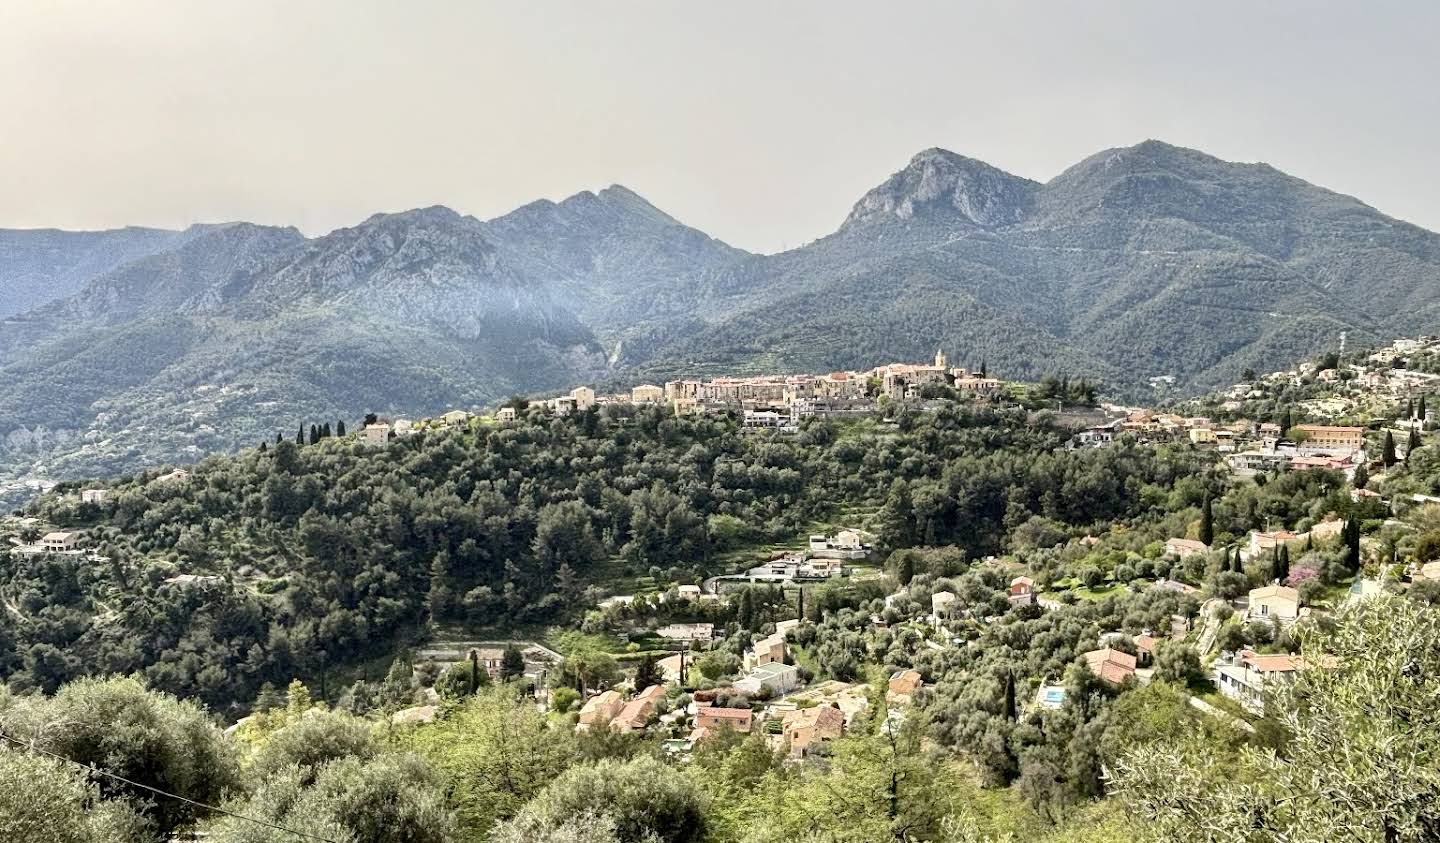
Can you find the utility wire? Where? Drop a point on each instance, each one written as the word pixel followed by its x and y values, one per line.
pixel 97 771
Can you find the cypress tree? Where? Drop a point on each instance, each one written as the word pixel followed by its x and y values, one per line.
pixel 1420 410
pixel 1011 712
pixel 300 436
pixel 1286 422
pixel 340 428
pixel 279 437
pixel 264 446
pixel 1412 444
pixel 314 434
pixel 646 674
pixel 1387 451
pixel 1207 523
pixel 1351 534
pixel 325 431
pixel 1362 476
pixel 1282 564
pixel 1410 409
pixel 512 665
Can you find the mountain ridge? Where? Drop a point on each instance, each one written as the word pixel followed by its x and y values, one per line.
pixel 1132 263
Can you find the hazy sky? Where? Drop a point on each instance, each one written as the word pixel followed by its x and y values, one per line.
pixel 758 122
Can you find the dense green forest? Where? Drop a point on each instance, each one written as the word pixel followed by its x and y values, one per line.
pixel 315 561
pixel 333 553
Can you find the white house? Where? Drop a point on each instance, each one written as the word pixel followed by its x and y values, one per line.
pixel 779 677
pixel 1278 602
pixel 60 541
pixel 93 495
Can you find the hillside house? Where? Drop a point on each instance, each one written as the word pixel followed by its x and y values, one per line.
pixel 1022 591
pixel 1274 602
pixel 1185 548
pixel 600 710
pixel 903 685
pixel 505 414
pixel 647 393
pixel 710 720
pixel 687 631
pixel 806 730
pixel 778 677
pixel 60 541
pixel 941 603
pixel 636 713
pixel 1245 676
pixel 768 650
pixel 1110 665
pixel 94 495
pixel 1262 542
pixel 1337 438
pixel 376 435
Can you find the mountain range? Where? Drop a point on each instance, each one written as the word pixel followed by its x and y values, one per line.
pixel 132 347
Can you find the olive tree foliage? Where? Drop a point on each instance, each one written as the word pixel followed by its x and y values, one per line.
pixel 495 752
pixel 1363 733
pixel 44 799
pixel 647 801
pixel 311 741
pixel 588 827
pixel 119 726
pixel 391 798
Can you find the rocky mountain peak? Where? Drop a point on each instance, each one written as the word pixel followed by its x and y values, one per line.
pixel 941 186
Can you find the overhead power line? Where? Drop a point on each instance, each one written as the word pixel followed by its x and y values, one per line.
pixel 99 772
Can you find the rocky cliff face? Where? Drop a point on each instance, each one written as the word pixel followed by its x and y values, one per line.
pixel 938 186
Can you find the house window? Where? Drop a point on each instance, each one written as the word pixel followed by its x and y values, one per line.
pixel 1264 609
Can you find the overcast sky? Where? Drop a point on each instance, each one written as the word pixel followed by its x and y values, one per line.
pixel 758 122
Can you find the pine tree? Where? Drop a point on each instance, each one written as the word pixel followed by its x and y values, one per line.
pixel 440 597
pixel 340 428
pixel 297 699
pixel 268 699
pixel 1207 523
pixel 1387 451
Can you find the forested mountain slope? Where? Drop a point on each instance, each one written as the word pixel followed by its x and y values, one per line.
pixel 331 553
pixel 1139 262
pixel 1144 261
